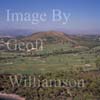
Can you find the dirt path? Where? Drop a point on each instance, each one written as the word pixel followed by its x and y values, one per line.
pixel 10 97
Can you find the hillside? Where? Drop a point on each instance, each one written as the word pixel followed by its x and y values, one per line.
pixel 50 37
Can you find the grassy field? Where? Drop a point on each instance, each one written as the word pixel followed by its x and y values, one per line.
pixel 15 62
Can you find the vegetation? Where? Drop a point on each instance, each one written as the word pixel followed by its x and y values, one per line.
pixel 58 60
pixel 98 63
pixel 90 91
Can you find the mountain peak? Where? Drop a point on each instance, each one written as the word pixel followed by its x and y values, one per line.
pixel 49 36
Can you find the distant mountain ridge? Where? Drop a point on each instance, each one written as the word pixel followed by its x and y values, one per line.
pixel 15 32
pixel 55 37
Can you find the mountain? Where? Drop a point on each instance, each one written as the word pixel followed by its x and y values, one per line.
pixel 90 41
pixel 49 36
pixel 15 32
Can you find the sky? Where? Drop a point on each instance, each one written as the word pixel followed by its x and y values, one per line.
pixel 84 15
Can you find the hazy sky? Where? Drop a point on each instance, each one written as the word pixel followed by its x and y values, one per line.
pixel 85 14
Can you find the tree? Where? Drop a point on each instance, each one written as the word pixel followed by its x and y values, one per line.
pixel 98 63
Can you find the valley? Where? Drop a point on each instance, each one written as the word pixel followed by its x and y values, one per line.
pixel 59 52
pixel 63 57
